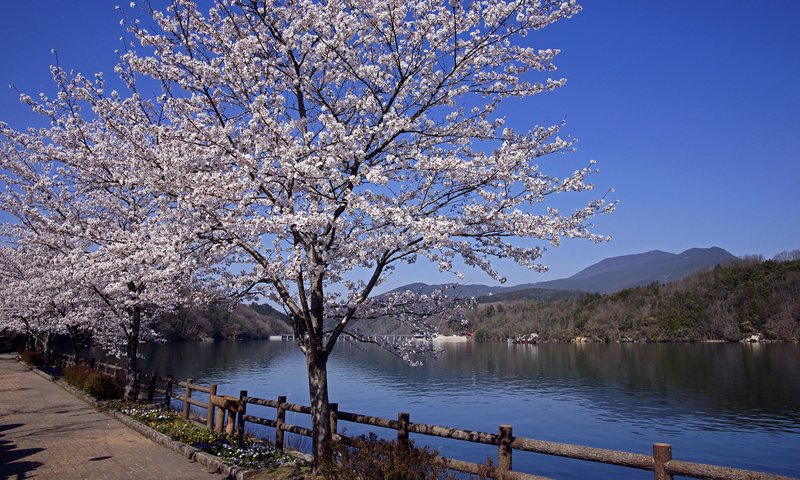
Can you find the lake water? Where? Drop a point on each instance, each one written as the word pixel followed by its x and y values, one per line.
pixel 735 405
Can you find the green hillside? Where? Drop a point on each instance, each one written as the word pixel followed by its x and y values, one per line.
pixel 726 303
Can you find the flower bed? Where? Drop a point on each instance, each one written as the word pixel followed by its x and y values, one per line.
pixel 252 454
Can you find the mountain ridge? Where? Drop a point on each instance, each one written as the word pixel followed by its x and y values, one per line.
pixel 606 276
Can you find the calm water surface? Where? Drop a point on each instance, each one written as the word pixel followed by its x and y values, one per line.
pixel 736 405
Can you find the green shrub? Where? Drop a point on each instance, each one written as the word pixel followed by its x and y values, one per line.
pixel 34 358
pixel 371 458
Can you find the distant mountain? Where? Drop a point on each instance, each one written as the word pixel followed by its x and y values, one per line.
pixel 487 294
pixel 515 293
pixel 450 289
pixel 607 276
pixel 617 273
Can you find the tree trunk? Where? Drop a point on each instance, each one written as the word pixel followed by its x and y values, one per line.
pixel 322 435
pixel 47 345
pixel 132 350
pixel 74 344
pixel 30 341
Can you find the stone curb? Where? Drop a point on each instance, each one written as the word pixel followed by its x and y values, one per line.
pixel 213 463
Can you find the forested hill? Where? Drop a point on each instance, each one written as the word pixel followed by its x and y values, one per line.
pixel 725 303
pixel 242 322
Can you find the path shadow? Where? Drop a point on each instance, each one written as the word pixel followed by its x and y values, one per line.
pixel 16 389
pixel 10 426
pixel 12 463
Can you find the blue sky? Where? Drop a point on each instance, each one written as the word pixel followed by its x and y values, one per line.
pixel 692 110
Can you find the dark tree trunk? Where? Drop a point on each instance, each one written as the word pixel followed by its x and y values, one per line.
pixel 322 435
pixel 74 343
pixel 47 345
pixel 132 350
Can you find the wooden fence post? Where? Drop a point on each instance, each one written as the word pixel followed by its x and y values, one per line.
pixel 280 418
pixel 137 384
pixel 242 411
pixel 168 393
pixel 334 417
pixel 403 419
pixel 210 415
pixel 662 453
pixel 219 425
pixel 151 387
pixel 504 451
pixel 232 407
pixel 187 396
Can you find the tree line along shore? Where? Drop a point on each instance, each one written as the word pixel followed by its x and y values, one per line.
pixel 749 299
pixel 744 300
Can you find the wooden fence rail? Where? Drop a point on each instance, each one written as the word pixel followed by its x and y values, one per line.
pixel 147 384
pixel 232 417
pixel 225 413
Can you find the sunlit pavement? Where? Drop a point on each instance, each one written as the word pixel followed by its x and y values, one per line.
pixel 47 433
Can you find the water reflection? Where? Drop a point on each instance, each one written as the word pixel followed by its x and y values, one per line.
pixel 711 401
pixel 727 380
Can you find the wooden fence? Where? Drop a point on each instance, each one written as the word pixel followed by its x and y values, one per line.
pixel 225 413
pixel 146 383
pixel 229 414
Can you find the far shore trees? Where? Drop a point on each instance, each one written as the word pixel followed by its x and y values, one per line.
pixel 319 145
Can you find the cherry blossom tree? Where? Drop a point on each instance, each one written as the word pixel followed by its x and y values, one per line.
pixel 40 295
pixel 21 309
pixel 324 143
pixel 74 184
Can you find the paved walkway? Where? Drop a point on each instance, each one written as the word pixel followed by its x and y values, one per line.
pixel 47 433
